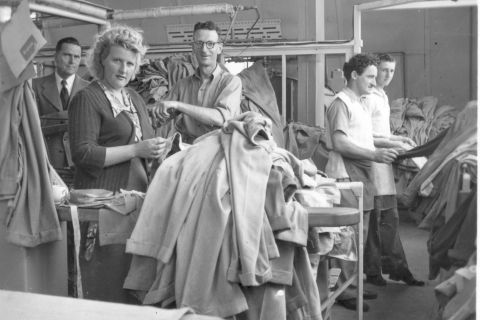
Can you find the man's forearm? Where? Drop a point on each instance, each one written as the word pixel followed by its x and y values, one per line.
pixel 342 145
pixel 208 116
pixel 386 143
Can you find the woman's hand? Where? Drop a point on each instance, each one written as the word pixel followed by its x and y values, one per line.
pixel 151 149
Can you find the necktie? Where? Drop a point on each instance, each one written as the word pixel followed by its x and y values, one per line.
pixel 64 94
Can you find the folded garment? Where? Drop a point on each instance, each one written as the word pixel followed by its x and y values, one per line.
pixel 90 197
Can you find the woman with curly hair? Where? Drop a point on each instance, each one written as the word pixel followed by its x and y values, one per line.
pixel 111 136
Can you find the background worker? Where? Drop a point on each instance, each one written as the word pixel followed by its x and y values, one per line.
pixel 53 92
pixel 384 250
pixel 203 101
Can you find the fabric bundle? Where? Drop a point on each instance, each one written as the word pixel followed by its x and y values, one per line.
pixel 444 194
pixel 158 76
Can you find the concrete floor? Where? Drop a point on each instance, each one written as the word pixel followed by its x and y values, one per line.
pixel 397 301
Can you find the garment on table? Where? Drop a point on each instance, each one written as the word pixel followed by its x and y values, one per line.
pixel 259 96
pixel 186 248
pixel 117 213
pixel 275 202
pixel 297 301
pixel 93 128
pixel 205 169
pixel 306 141
pixel 222 92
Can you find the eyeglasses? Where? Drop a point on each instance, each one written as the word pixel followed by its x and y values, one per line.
pixel 199 44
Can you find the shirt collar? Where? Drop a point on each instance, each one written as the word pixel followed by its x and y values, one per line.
pixel 349 92
pixel 116 105
pixel 215 73
pixel 379 92
pixel 69 80
pixel 376 92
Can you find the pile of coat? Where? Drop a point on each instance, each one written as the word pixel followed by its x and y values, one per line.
pixel 421 120
pixel 444 194
pixel 219 232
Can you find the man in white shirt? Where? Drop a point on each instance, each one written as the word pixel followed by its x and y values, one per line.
pixel 384 250
pixel 354 150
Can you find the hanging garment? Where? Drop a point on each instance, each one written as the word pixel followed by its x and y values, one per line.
pixel 31 218
pixel 306 141
pixel 452 243
pixel 464 127
pixel 259 96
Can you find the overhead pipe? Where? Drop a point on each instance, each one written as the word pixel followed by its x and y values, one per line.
pixel 80 7
pixel 177 11
pixel 54 22
pixel 66 14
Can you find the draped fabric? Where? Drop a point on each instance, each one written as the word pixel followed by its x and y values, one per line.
pixel 31 217
pixel 444 195
pixel 210 235
pixel 259 96
pixel 464 127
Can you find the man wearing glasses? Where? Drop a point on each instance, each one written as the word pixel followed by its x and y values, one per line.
pixel 204 101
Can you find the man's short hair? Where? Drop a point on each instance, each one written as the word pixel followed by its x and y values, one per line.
pixel 385 57
pixel 70 40
pixel 207 25
pixel 359 63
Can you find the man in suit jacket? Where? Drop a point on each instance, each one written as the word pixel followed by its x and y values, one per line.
pixel 48 92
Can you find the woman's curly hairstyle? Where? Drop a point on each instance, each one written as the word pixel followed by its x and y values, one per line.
pixel 117 35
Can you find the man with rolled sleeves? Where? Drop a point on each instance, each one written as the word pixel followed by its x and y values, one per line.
pixel 354 151
pixel 211 96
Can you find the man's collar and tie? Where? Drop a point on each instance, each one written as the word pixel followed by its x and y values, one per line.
pixel 64 88
pixel 64 95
